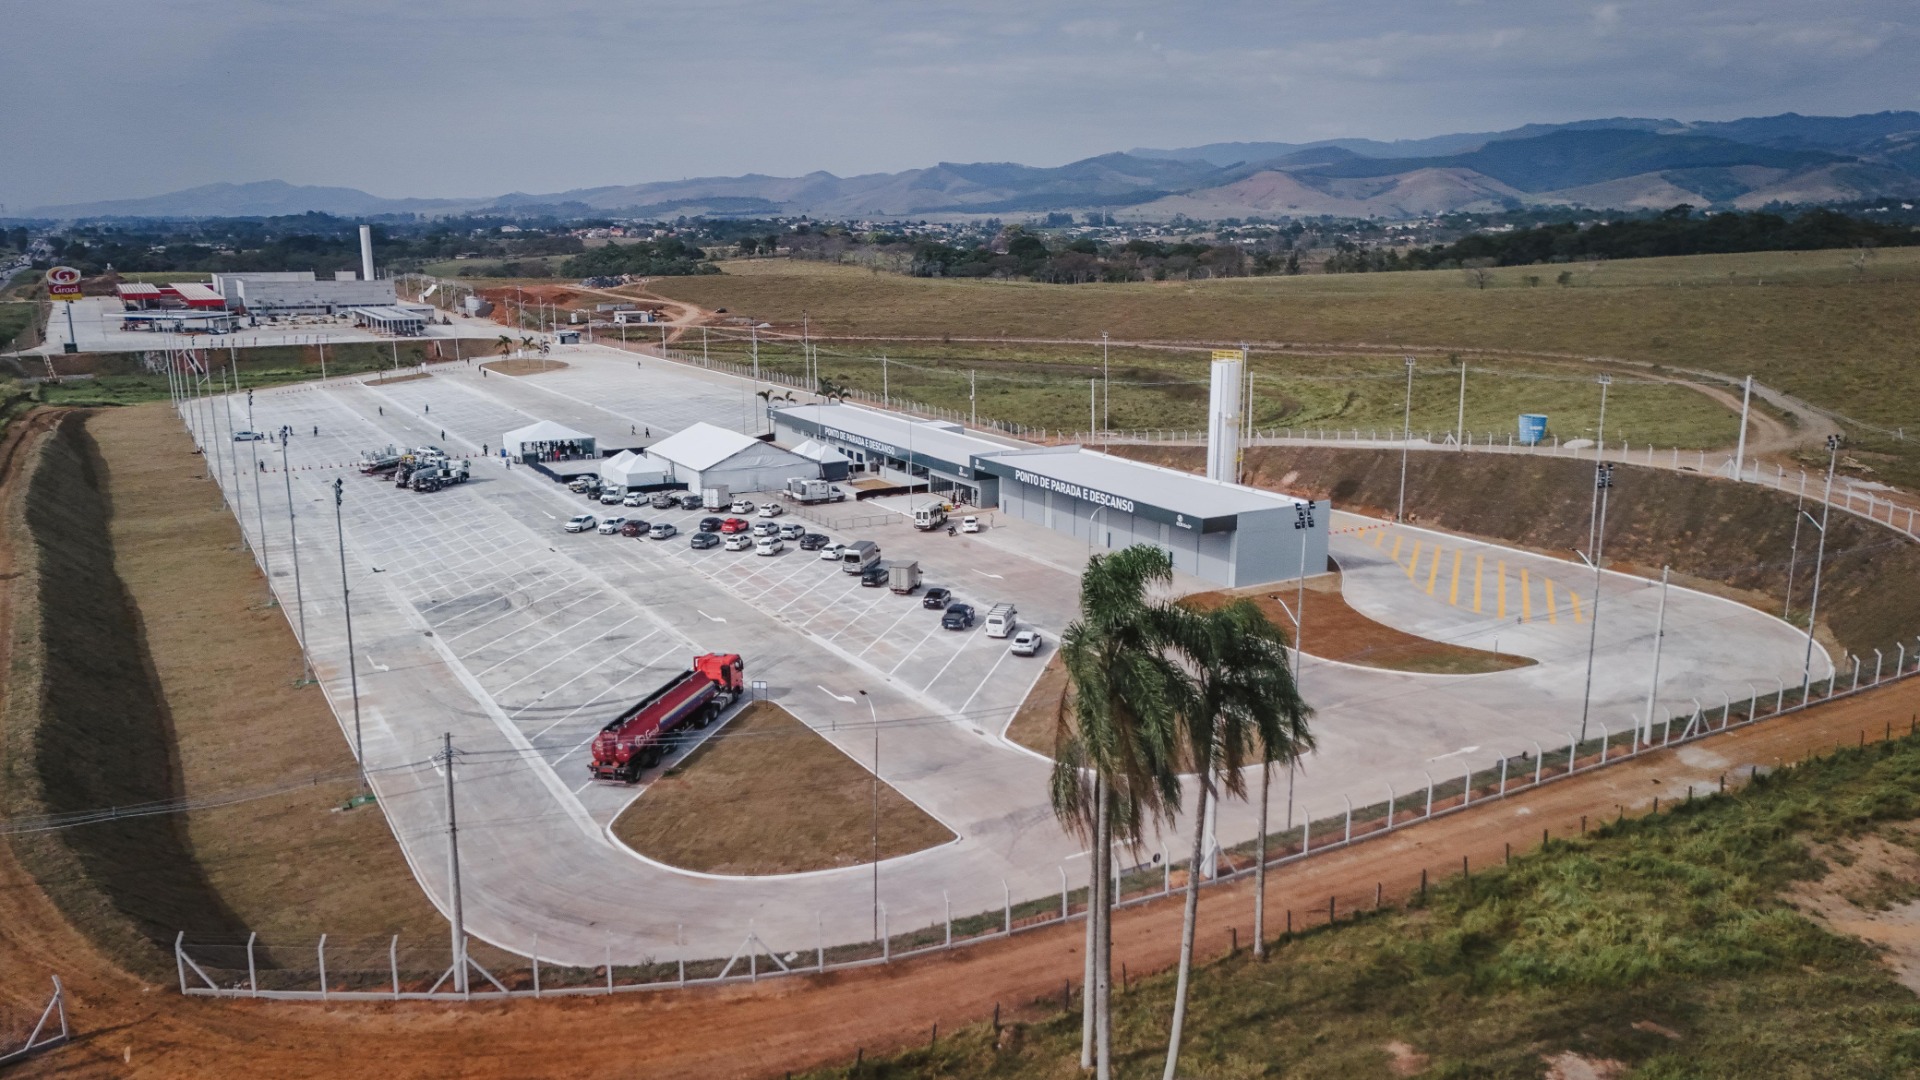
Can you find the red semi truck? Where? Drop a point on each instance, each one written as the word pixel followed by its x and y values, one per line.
pixel 639 737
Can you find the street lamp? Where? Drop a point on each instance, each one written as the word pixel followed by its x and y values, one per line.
pixel 1599 451
pixel 1813 612
pixel 875 718
pixel 1602 484
pixel 1406 438
pixel 293 553
pixel 353 664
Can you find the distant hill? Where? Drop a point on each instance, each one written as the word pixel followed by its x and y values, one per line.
pixel 1612 163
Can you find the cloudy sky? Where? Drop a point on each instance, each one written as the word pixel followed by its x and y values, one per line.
pixel 480 97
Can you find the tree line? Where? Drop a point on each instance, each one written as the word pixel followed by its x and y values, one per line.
pixel 666 257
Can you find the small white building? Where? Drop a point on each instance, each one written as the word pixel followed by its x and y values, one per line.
pixel 705 456
pixel 548 441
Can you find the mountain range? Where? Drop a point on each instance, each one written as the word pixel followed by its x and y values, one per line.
pixel 1616 163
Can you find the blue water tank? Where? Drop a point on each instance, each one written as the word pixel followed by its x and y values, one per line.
pixel 1533 428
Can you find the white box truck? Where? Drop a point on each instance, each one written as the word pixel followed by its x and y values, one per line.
pixel 903 577
pixel 813 491
pixel 715 499
pixel 1000 620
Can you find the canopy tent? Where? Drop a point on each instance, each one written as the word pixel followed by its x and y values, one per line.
pixel 548 441
pixel 630 470
pixel 834 465
pixel 705 456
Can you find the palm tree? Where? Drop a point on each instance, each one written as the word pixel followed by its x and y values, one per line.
pixel 504 344
pixel 1116 741
pixel 1243 701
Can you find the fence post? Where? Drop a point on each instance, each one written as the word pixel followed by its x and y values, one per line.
pixel 1166 873
pixel 180 960
pixel 1466 787
pixel 1503 776
pixel 819 948
pixel 1573 753
pixel 609 966
pixel 1063 894
pixel 1877 658
pixel 1780 697
pixel 1390 807
pixel 1539 761
pixel 886 939
pixel 536 965
pixel 1603 741
pixel 323 967
pixel 393 963
pixel 948 901
pixel 1348 838
pixel 1856 677
pixel 1006 896
pixel 253 982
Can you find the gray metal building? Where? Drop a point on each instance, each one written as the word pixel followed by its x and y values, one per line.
pixel 1220 532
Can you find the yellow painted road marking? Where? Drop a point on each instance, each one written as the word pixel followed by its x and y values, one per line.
pixel 1479 563
pixel 1415 561
pixel 1379 535
pixel 1553 616
pixel 1397 538
pixel 1500 575
pixel 1526 597
pixel 1433 572
pixel 1574 599
pixel 1453 588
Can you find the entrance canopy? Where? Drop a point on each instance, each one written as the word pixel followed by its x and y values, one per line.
pixel 548 441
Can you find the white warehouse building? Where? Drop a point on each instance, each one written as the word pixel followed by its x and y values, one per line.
pixel 705 456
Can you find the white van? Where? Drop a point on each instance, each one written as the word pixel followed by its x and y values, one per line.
pixel 1000 620
pixel 859 555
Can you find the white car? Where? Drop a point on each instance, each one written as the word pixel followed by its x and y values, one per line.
pixel 611 525
pixel 634 498
pixel 741 506
pixel 765 528
pixel 832 552
pixel 769 545
pixel 969 524
pixel 772 510
pixel 580 523
pixel 738 542
pixel 248 436
pixel 1027 643
pixel 611 497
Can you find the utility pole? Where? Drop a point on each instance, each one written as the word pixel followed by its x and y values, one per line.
pixel 1460 418
pixel 1740 448
pixel 875 718
pixel 233 459
pixel 886 389
pixel 973 398
pixel 259 505
pixel 1406 438
pixel 1793 558
pixel 1819 560
pixel 1093 402
pixel 1603 483
pixel 1106 385
pixel 1599 450
pixel 1659 636
pixel 459 921
pixel 293 552
pixel 353 661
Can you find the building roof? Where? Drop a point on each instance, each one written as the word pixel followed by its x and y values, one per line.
pixel 892 434
pixel 544 431
pixel 1152 485
pixel 137 290
pixel 193 290
pixel 701 446
pixel 815 450
pixel 389 313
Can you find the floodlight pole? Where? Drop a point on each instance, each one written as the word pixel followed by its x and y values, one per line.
pixel 458 922
pixel 875 718
pixel 1793 558
pixel 1659 636
pixel 293 551
pixel 353 662
pixel 1106 385
pixel 1819 560
pixel 1740 448
pixel 1460 420
pixel 1603 484
pixel 1599 451
pixel 1406 438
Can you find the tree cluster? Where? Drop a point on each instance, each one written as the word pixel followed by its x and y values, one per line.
pixel 668 257
pixel 1675 232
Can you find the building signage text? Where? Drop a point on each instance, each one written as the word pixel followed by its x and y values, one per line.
pixel 1085 494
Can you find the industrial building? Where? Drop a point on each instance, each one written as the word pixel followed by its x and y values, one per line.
pixel 1215 530
pixel 705 456
pixel 313 297
pixel 228 285
pixel 894 447
pixel 174 296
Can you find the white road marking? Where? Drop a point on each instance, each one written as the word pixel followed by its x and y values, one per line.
pixel 983 682
pixel 983 573
pixel 949 663
pixel 510 610
pixel 584 673
pixel 548 638
pixel 595 698
pixel 374 666
pixel 1457 753
pixel 713 618
pixel 498 693
pixel 833 695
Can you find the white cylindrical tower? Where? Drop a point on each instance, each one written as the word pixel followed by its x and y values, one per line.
pixel 1223 418
pixel 366 253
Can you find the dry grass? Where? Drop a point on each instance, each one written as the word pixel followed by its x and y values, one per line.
pixel 1033 723
pixel 765 795
pixel 524 367
pixel 168 674
pixel 1803 322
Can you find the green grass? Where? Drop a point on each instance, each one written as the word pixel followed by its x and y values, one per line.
pixel 117 378
pixel 1675 919
pixel 1802 322
pixel 1047 386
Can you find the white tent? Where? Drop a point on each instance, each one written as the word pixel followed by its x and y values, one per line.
pixel 546 440
pixel 630 470
pixel 833 464
pixel 705 456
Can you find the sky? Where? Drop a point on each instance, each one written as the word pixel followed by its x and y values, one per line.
pixel 482 97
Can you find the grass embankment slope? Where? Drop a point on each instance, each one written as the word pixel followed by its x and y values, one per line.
pixel 1803 322
pixel 1734 539
pixel 119 379
pixel 1665 945
pixel 148 665
pixel 765 795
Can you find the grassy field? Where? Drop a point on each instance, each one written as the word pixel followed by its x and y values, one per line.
pixel 1803 322
pixel 1158 388
pixel 1668 946
pixel 155 613
pixel 118 379
pixel 766 795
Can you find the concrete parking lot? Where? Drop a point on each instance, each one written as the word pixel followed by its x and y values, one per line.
pixel 475 615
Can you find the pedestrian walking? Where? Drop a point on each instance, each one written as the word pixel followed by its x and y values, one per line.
pixel 443 434
pixel 316 431
pixel 426 408
pixel 383 410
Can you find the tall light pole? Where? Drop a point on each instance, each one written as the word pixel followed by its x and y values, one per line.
pixel 353 662
pixel 1106 385
pixel 1406 438
pixel 1460 419
pixel 1659 635
pixel 875 718
pixel 1599 451
pixel 293 553
pixel 1602 483
pixel 1819 559
pixel 458 923
pixel 1793 557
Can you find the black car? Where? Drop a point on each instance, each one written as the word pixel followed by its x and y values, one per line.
pixel 813 541
pixel 874 576
pixel 710 524
pixel 704 539
pixel 937 599
pixel 691 501
pixel 957 617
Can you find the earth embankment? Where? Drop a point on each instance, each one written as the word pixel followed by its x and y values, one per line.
pixel 1733 539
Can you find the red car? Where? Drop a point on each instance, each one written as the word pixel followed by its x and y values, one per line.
pixel 735 525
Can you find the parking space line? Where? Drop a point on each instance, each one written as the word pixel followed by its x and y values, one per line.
pixel 1453 587
pixel 823 581
pixel 1415 561
pixel 1433 572
pixel 563 656
pixel 984 681
pixel 916 648
pixel 1546 587
pixel 595 699
pixel 1479 561
pixel 511 610
pixel 584 672
pixel 590 595
pixel 950 660
pixel 1500 577
pixel 1526 597
pixel 883 634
